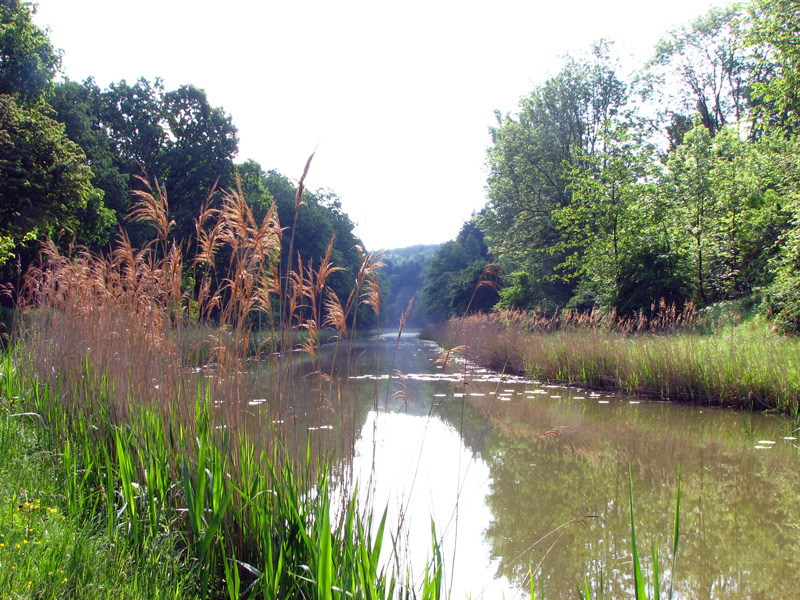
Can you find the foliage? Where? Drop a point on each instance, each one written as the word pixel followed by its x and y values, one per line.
pixel 585 208
pixel 782 297
pixel 28 61
pixel 459 277
pixel 773 34
pixel 703 68
pixel 78 106
pixel 606 212
pixel 558 125
pixel 174 137
pixel 152 449
pixel 182 143
pixel 45 187
pixel 402 280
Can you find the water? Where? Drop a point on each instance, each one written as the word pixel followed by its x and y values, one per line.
pixel 517 474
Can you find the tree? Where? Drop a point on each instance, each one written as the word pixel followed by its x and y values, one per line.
pixel 724 214
pixel 28 61
pixel 736 239
pixel 781 174
pixel 603 219
pixel 690 189
pixel 79 106
pixel 403 279
pixel 709 65
pixel 45 184
pixel 320 219
pixel 198 151
pixel 176 138
pixel 775 27
pixel 454 276
pixel 530 160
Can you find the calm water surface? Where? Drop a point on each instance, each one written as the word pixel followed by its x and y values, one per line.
pixel 516 473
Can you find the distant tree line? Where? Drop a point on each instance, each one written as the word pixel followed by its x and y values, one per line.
pixel 680 182
pixel 71 153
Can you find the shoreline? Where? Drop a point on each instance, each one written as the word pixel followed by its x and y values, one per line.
pixel 745 369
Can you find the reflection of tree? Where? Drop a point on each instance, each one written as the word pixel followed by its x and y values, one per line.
pixel 739 513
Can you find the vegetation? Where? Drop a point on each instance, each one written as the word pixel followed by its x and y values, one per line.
pixel 453 274
pixel 678 183
pixel 140 515
pixel 661 357
pixel 402 278
pixel 128 473
pixel 155 460
pixel 140 478
pixel 74 158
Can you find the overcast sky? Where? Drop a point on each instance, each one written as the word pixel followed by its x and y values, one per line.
pixel 396 97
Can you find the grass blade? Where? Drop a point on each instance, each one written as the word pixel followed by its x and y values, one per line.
pixel 676 534
pixel 638 580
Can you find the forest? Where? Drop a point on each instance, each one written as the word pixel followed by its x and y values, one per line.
pixel 676 183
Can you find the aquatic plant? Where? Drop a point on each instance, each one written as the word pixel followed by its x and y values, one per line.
pixel 153 449
pixel 740 366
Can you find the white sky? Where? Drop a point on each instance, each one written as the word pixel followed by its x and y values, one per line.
pixel 396 97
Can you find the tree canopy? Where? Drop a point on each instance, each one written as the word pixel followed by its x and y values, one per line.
pixel 28 61
pixel 663 186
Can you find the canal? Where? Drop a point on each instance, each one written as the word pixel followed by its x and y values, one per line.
pixel 520 477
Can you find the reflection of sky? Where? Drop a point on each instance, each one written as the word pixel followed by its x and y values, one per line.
pixel 424 471
pixel 547 455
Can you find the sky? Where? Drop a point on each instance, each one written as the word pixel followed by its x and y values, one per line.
pixel 395 98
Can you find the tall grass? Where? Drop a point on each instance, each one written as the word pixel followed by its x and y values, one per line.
pixel 664 358
pixel 151 449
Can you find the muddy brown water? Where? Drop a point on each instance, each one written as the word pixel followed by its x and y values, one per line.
pixel 518 475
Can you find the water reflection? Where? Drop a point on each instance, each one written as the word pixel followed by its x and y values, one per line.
pixel 501 463
pixel 424 472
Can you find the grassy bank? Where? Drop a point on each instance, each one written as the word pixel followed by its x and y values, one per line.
pixel 735 366
pixel 147 509
pixel 128 472
pixel 54 540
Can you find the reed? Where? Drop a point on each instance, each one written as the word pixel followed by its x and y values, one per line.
pixel 664 357
pixel 154 456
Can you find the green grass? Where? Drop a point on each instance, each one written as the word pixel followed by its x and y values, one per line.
pixel 746 367
pixel 148 510
pixel 52 543
pixel 149 458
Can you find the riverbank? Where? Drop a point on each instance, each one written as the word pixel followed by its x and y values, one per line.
pixel 736 366
pixel 59 535
pixel 147 508
pixel 127 389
